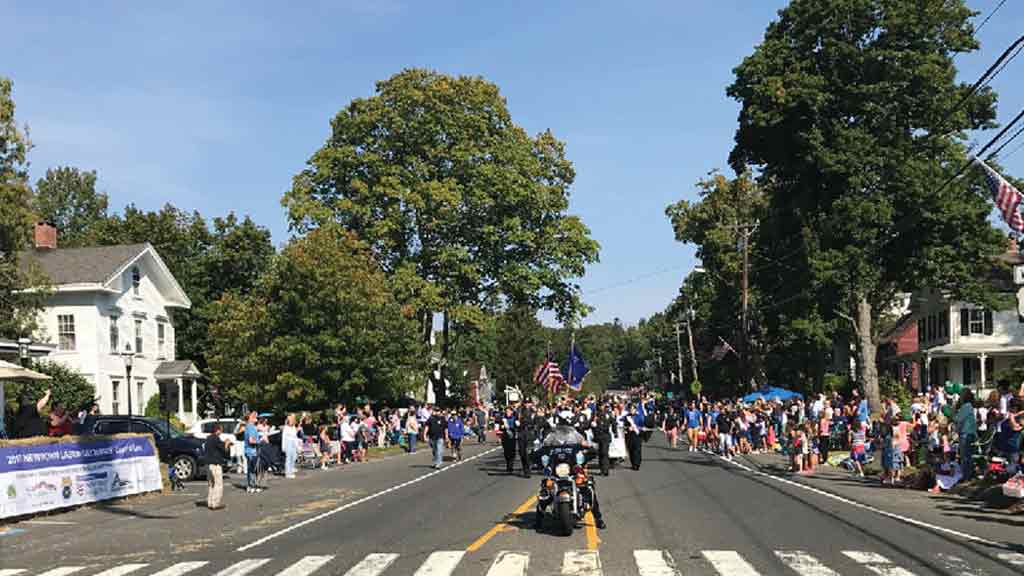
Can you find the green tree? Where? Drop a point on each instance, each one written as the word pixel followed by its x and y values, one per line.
pixel 321 325
pixel 68 388
pixel 520 339
pixel 849 113
pixel 67 198
pixel 18 309
pixel 458 204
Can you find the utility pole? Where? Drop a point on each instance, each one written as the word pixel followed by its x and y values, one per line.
pixel 746 231
pixel 693 353
pixel 679 356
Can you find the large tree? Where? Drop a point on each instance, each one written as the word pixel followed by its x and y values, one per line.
pixel 321 325
pixel 457 202
pixel 67 198
pixel 18 307
pixel 852 114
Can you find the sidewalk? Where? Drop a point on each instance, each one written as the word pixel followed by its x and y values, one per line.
pixel 946 510
pixel 180 523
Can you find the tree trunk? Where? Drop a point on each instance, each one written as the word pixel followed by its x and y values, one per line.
pixel 867 367
pixel 439 384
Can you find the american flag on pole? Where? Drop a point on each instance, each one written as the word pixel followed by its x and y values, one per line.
pixel 549 376
pixel 1007 198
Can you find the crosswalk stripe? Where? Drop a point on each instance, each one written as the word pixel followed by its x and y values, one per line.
pixel 729 563
pixel 63 571
pixel 1013 558
pixel 181 569
pixel 122 570
pixel 876 563
pixel 510 564
pixel 11 571
pixel 804 564
pixel 654 563
pixel 440 564
pixel 581 563
pixel 306 566
pixel 372 565
pixel 244 567
pixel 958 566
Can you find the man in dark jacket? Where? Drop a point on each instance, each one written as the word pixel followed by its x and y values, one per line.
pixel 528 427
pixel 216 458
pixel 28 423
pixel 605 427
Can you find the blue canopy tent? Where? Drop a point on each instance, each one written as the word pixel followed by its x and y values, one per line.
pixel 772 393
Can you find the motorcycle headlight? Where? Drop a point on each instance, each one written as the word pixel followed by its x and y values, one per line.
pixel 580 459
pixel 545 460
pixel 562 470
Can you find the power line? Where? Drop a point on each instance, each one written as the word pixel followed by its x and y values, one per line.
pixel 989 17
pixel 636 279
pixel 987 77
pixel 1008 141
pixel 1014 151
pixel 981 152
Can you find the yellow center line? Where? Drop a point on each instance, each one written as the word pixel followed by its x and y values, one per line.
pixel 501 526
pixel 591 528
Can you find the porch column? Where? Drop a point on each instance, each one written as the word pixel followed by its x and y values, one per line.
pixel 927 376
pixel 181 400
pixel 982 357
pixel 195 405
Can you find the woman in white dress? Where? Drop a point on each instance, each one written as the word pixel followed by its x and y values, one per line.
pixel 617 449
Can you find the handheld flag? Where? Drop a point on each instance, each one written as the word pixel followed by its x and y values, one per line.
pixel 722 350
pixel 578 368
pixel 549 376
pixel 1006 197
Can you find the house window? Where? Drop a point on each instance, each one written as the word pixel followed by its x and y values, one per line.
pixel 115 336
pixel 139 399
pixel 66 331
pixel 160 340
pixel 977 321
pixel 115 397
pixel 136 280
pixel 138 336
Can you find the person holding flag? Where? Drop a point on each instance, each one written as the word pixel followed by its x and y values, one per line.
pixel 577 369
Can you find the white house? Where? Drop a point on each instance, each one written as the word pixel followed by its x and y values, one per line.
pixel 108 300
pixel 967 343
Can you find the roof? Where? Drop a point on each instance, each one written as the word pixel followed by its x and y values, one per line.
pixel 93 265
pixel 898 329
pixel 974 349
pixel 177 369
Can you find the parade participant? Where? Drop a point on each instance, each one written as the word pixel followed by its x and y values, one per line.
pixel 509 428
pixel 456 430
pixel 634 442
pixel 564 434
pixel 671 428
pixel 693 420
pixel 529 425
pixel 604 428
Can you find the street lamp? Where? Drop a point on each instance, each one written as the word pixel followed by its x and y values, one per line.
pixel 23 345
pixel 128 357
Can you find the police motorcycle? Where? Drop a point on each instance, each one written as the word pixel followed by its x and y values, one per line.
pixel 566 490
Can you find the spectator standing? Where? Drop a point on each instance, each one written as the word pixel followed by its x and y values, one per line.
pixel 967 428
pixel 252 446
pixel 290 444
pixel 436 430
pixel 216 457
pixel 59 422
pixel 347 435
pixel 412 430
pixel 28 423
pixel 456 431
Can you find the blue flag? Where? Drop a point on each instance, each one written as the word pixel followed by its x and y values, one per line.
pixel 577 369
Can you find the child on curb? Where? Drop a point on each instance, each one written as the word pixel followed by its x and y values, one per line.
pixel 858 437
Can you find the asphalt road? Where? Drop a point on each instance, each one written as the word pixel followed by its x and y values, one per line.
pixel 682 513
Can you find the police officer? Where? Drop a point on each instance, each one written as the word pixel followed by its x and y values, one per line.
pixel 527 432
pixel 509 428
pixel 605 426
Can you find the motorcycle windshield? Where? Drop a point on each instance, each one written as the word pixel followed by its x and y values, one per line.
pixel 563 436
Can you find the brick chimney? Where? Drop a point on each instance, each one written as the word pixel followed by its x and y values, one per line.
pixel 45 236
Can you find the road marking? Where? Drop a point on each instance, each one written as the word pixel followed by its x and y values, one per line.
pixel 306 566
pixel 49 523
pixel 958 566
pixel 581 563
pixel 654 563
pixel 501 526
pixel 591 530
pixel 510 564
pixel 440 563
pixel 11 571
pixel 1011 558
pixel 876 563
pixel 729 563
pixel 181 569
pixel 122 570
pixel 363 500
pixel 64 571
pixel 804 564
pixel 244 567
pixel 372 565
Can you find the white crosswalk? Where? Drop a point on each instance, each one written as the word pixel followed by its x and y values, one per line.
pixel 574 563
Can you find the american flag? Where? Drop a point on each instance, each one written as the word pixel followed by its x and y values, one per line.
pixel 1007 198
pixel 549 376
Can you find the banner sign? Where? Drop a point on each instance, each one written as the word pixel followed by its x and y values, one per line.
pixel 48 476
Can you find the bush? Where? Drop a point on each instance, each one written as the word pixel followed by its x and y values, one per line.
pixel 68 388
pixel 153 411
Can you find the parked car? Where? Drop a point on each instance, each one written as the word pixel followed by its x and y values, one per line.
pixel 203 428
pixel 178 450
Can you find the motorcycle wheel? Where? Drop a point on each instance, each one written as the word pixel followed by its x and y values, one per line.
pixel 565 518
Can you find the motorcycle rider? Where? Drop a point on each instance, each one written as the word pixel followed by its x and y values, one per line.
pixel 509 428
pixel 565 435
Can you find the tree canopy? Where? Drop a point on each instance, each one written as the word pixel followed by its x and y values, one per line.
pixel 67 198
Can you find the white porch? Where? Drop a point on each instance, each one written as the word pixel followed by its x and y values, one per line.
pixel 974 365
pixel 179 378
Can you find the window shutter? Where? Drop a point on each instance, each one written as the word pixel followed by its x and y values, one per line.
pixel 968 376
pixel 988 323
pixel 965 322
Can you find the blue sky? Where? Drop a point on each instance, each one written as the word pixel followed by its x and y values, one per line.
pixel 214 106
